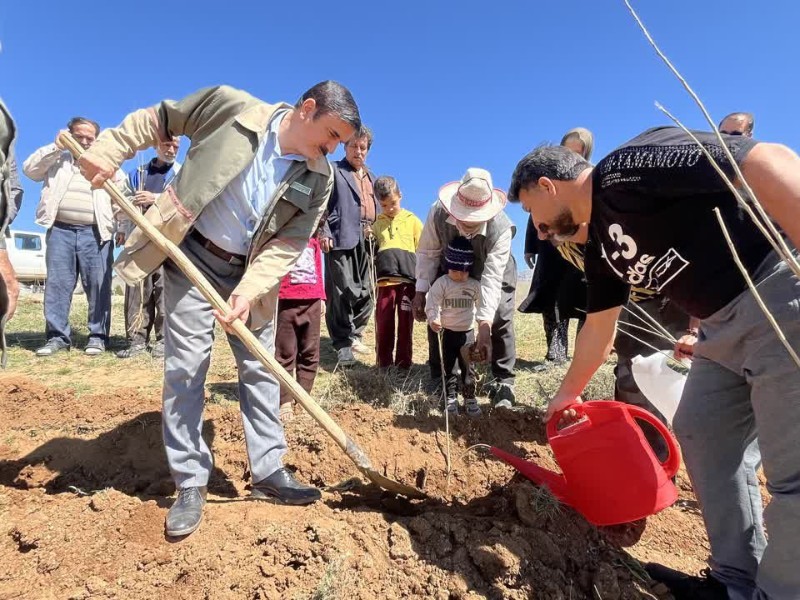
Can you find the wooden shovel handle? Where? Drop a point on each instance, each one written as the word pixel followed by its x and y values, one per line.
pixel 239 328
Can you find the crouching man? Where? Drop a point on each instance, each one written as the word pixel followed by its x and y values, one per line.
pixel 647 215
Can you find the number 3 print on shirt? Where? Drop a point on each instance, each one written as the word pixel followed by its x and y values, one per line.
pixel 627 249
pixel 657 272
pixel 624 242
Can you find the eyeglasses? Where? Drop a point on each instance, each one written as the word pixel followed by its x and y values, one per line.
pixel 731 132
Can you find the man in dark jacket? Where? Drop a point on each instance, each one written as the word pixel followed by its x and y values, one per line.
pixel 352 210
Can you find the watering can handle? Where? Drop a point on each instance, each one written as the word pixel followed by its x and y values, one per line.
pixel 673 461
pixel 552 424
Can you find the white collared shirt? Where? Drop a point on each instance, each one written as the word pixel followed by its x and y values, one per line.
pixel 230 220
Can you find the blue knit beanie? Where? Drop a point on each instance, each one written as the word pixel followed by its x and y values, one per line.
pixel 459 255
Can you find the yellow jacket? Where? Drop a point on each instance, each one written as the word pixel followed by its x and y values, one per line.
pixel 397 240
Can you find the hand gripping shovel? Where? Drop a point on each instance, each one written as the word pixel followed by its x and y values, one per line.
pixel 240 329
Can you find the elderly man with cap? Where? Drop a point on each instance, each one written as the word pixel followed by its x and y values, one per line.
pixel 144 302
pixel 473 208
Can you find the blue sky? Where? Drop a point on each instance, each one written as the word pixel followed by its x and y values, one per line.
pixel 444 85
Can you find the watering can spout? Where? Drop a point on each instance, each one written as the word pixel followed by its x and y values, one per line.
pixel 539 475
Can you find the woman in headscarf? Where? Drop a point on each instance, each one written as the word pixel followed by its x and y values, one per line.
pixel 558 289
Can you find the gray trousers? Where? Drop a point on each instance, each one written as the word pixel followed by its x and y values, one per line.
pixel 348 288
pixel 188 336
pixel 744 388
pixel 504 341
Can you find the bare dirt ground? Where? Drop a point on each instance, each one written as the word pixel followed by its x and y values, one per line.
pixel 84 489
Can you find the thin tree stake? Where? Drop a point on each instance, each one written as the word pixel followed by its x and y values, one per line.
pixel 644 316
pixel 666 353
pixel 373 282
pixel 444 403
pixel 775 236
pixel 753 289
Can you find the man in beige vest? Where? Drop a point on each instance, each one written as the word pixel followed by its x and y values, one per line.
pixel 242 208
pixel 80 228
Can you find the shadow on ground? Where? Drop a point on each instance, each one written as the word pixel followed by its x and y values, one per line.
pixel 129 458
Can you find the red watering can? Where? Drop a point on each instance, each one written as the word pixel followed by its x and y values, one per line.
pixel 610 474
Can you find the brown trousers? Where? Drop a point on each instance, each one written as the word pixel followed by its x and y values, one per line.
pixel 297 341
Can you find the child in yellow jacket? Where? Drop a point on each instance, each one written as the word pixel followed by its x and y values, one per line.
pixel 397 232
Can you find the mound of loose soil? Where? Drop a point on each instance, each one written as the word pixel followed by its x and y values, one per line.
pixel 84 490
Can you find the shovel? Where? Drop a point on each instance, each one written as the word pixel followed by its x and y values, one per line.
pixel 349 447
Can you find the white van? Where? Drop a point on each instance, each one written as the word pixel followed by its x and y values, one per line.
pixel 26 251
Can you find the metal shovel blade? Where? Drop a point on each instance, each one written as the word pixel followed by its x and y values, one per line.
pixel 356 454
pixel 390 485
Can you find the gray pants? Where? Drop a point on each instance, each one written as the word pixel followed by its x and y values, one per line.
pixel 188 336
pixel 744 388
pixel 348 288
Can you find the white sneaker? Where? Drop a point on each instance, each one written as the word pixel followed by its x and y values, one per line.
pixel 359 347
pixel 346 358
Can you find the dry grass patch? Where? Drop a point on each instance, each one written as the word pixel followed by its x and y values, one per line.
pixel 406 392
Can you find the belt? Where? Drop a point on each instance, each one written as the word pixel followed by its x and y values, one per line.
pixel 228 257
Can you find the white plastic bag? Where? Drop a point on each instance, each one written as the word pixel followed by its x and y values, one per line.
pixel 660 384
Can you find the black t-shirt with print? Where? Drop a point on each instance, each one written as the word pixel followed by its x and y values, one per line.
pixel 653 224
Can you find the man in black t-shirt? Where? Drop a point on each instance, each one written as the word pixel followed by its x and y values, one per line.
pixel 646 215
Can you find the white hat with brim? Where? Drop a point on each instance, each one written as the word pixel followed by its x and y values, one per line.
pixel 473 199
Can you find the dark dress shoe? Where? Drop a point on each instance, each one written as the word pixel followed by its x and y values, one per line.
pixel 186 512
pixel 688 587
pixel 282 487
